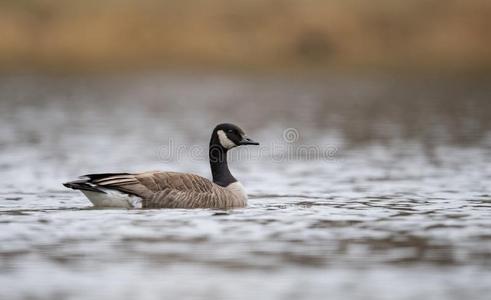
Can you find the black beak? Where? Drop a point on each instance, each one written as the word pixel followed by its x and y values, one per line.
pixel 247 141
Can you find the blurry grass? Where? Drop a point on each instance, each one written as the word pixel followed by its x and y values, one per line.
pixel 264 34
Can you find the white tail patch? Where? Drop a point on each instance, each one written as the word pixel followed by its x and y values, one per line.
pixel 113 198
pixel 224 140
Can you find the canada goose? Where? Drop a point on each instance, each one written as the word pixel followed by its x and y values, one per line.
pixel 171 189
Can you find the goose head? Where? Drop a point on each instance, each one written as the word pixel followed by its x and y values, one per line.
pixel 230 136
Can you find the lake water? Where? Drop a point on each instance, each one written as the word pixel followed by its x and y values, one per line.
pixel 362 188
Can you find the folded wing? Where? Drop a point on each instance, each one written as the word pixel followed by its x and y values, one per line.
pixel 166 189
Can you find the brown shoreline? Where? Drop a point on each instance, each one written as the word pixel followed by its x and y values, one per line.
pixel 416 36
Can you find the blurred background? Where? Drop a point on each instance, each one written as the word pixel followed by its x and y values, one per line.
pixel 397 93
pixel 419 35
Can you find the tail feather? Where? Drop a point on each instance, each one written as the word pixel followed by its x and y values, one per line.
pixel 82 184
pixel 100 182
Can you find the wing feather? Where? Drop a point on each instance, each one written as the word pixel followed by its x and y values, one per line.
pixel 166 189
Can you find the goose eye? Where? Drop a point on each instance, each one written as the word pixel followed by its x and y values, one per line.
pixel 230 131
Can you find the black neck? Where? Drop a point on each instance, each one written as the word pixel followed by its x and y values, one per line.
pixel 218 162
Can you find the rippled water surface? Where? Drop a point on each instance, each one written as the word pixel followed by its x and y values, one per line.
pixel 379 188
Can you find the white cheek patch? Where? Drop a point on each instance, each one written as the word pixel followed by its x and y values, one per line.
pixel 224 140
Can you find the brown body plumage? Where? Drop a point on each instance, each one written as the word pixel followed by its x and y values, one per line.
pixel 171 190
